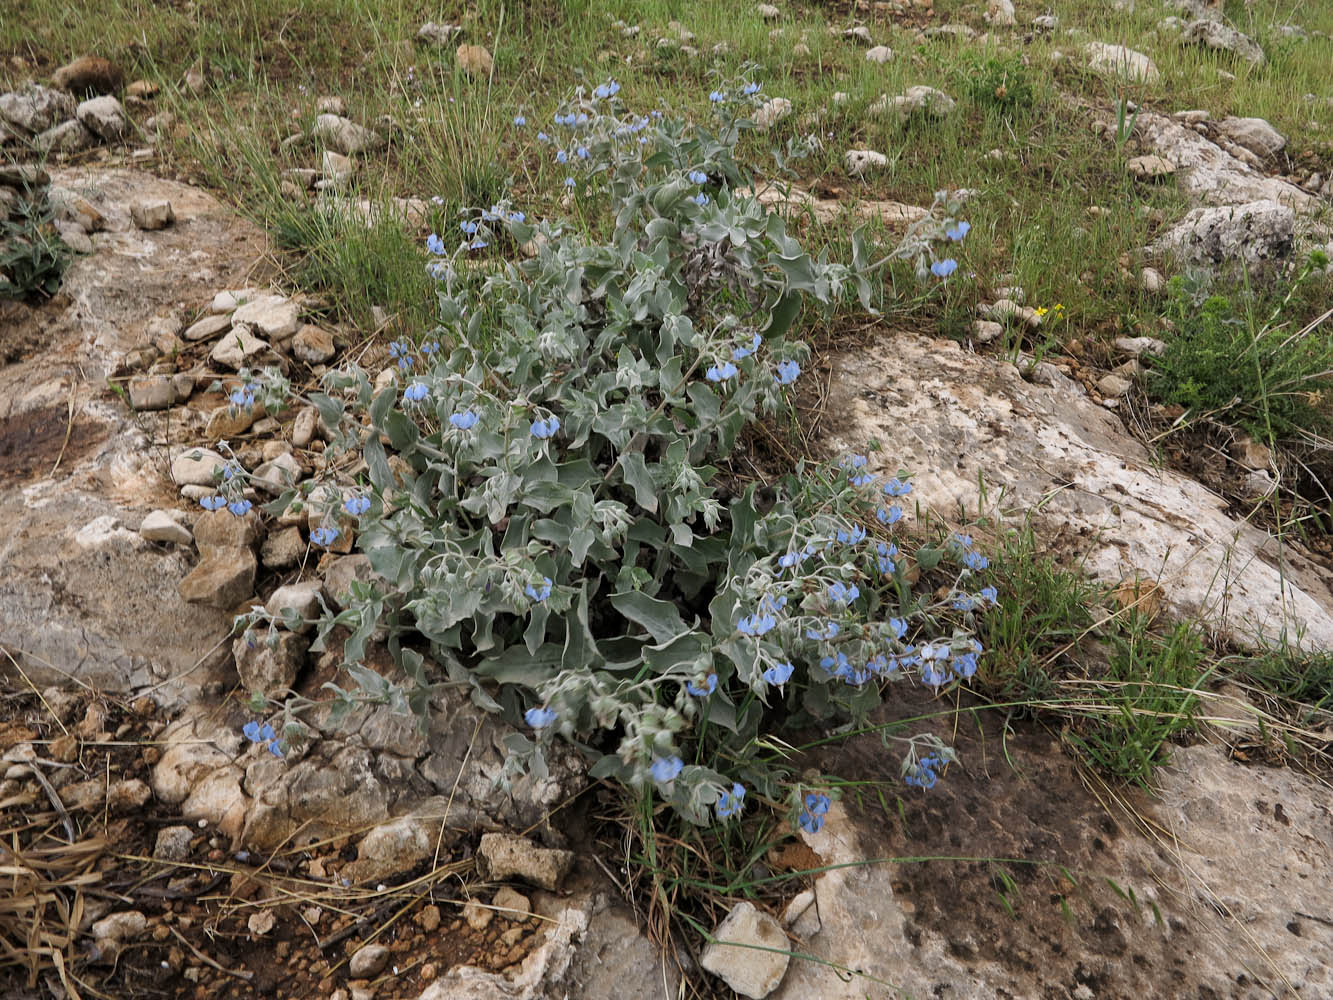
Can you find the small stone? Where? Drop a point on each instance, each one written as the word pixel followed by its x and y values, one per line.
pixel 863 161
pixel 1113 386
pixel 304 426
pixel 748 952
pixel 438 34
pixel 278 475
pixel 1254 134
pixel 504 855
pixel 154 392
pixel 1136 346
pixel 195 77
pixel 160 526
pixel 984 331
pixel 104 117
pixel 336 167
pixel 1259 484
pixel 274 316
pixel 1117 60
pixel 879 54
pixel 111 934
pixel 142 89
pixel 173 843
pixel 1045 22
pixel 767 11
pixel 228 422
pixel 302 601
pixel 36 109
pixel 313 345
pixel 221 580
pixel 860 33
pixel 127 795
pixel 1250 453
pixel 232 299
pixel 915 100
pixel 368 960
pixel 237 347
pixel 89 75
pixel 269 662
pixel 222 531
pixel 477 915
pixel 152 213
pixel 1000 13
pixel 342 573
pixel 772 112
pixel 474 60
pixel 1150 167
pixel 1151 281
pixel 282 549
pixel 344 135
pixel 1223 37
pixel 512 905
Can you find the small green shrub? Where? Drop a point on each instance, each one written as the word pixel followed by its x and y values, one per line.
pixel 33 257
pixel 1001 85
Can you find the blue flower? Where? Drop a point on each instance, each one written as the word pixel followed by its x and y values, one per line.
pixel 478 244
pixel 944 268
pixel 516 216
pixel 416 392
pixel 990 595
pixel 324 537
pixel 213 502
pixel 464 421
pixel 717 97
pixel 745 352
pixel 434 244
pixel 751 88
pixel 975 561
pixel 697 177
pixel 790 559
pixel 884 557
pixel 263 734
pixel 779 673
pixel 520 121
pixel 543 429
pixel 898 626
pixel 816 808
pixel 430 347
pixel 721 374
pixel 540 593
pixel 244 396
pixel 562 157
pixel 582 152
pixel 896 487
pixel 239 508
pixel 811 824
pixel 666 769
pixel 543 137
pixel 788 372
pixel 582 119
pixel 539 718
pixel 892 515
pixel 700 199
pixel 468 227
pixel 957 231
pixel 830 631
pixel 710 685
pixel 570 182
pixel 731 803
pixel 756 625
pixel 963 602
pixel 921 774
pixel 610 89
pixel 251 731
pixel 841 593
pixel 356 506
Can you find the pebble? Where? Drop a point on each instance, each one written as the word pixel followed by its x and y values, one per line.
pixel 303 600
pixel 161 526
pixel 368 960
pixel 232 299
pixel 1112 386
pixel 159 392
pixel 197 467
pixel 512 905
pixel 863 161
pixel 313 345
pixel 772 112
pixel 344 135
pixel 272 316
pixel 984 331
pixel 475 60
pixel 767 11
pixel 1151 281
pixel 438 34
pixel 879 54
pixel 104 117
pixel 335 167
pixel 303 427
pixel 173 843
pixel 152 213
pixel 477 915
pixel 237 347
pixel 282 549
pixel 228 422
pixel 1135 346
pixel 208 327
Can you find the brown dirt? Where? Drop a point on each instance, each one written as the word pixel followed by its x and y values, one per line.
pixel 32 442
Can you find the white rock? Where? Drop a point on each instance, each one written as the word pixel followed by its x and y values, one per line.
pixel 313 345
pixel 1216 35
pixel 272 316
pixel 1112 385
pixel 1118 60
pixel 984 330
pixel 841 97
pixel 35 108
pixel 368 961
pixel 303 427
pixel 67 137
pixel 1223 238
pixel 233 298
pixel 302 598
pixel 104 117
pixel 1151 281
pixel 279 475
pixel 879 54
pixel 237 347
pixel 863 161
pixel 1000 13
pixel 159 392
pixel 197 467
pixel 767 11
pixel 207 328
pixel 1135 346
pixel 924 100
pixel 336 167
pixel 344 135
pixel 858 34
pixel 1254 134
pixel 772 112
pixel 1150 167
pixel 438 34
pixel 748 952
pixel 161 526
pixel 1045 22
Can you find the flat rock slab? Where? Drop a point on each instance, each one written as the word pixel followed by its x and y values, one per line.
pixel 949 417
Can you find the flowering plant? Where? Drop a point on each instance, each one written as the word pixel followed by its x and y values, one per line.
pixel 547 508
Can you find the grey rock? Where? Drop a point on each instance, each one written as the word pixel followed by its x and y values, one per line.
pixel 984 331
pixel 304 426
pixel 1151 280
pixel 1135 346
pixel 368 961
pixel 343 572
pixel 197 467
pixel 863 161
pixel 105 118
pixel 345 136
pixel 157 392
pixel 1000 13
pixel 221 580
pixel 748 952
pixel 152 213
pixel 36 108
pixel 1150 167
pixel 237 347
pixel 313 345
pixel 279 475
pixel 230 300
pixel 1045 22
pixel 1112 385
pixel 1225 238
pixel 1254 134
pixel 173 843
pixel 74 236
pixel 919 100
pixel 879 54
pixel 68 137
pixel 336 168
pixel 282 549
pixel 302 600
pixel 1223 37
pixel 221 531
pixel 860 33
pixel 438 34
pixel 272 316
pixel 161 526
pixel 111 934
pixel 505 855
pixel 767 11
pixel 1118 60
pixel 772 111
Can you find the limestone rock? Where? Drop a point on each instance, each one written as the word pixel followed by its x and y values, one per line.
pixel 1150 167
pixel 35 108
pixel 1136 346
pixel 336 168
pixel 343 572
pixel 158 392
pixel 278 475
pixel 504 855
pixel 879 54
pixel 345 136
pixel 160 526
pixel 511 905
pixel 1254 134
pixel 772 111
pixel 304 426
pixel 197 467
pixel 1223 37
pixel 152 213
pixel 269 662
pixel 1221 239
pixel 104 117
pixel 282 549
pixel 230 300
pixel 313 345
pixel 863 161
pixel 228 421
pixel 221 580
pixel 474 60
pixel 438 34
pixel 299 599
pixel 1112 385
pixel 1117 60
pixel 89 75
pixel 767 11
pixel 173 843
pixel 111 934
pixel 1000 14
pixel 274 316
pixel 237 347
pixel 739 952
pixel 68 137
pixel 368 961
pixel 984 331
pixel 925 101
pixel 222 531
